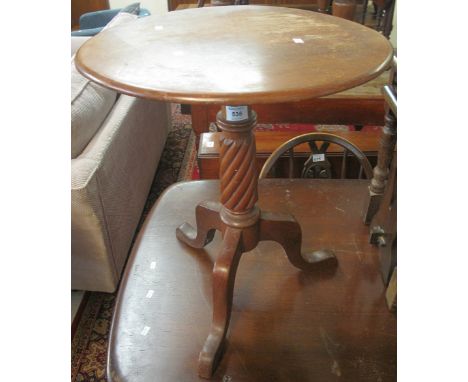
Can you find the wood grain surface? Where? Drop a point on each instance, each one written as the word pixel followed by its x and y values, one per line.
pixel 286 324
pixel 235 55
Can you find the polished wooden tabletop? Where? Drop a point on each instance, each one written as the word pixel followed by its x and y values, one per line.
pixel 286 325
pixel 235 55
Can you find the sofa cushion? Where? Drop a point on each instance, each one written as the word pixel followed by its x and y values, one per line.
pixel 76 42
pixel 90 104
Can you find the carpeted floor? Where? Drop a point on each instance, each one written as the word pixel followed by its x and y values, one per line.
pixel 89 344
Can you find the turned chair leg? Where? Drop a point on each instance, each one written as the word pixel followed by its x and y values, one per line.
pixel 381 171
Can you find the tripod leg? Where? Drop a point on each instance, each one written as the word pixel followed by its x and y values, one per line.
pixel 285 230
pixel 224 274
pixel 208 221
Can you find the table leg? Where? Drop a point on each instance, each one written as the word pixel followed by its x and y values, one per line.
pixel 323 6
pixel 208 221
pixel 238 217
pixel 364 12
pixel 286 231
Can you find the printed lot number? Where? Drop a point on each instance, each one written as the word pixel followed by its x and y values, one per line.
pixel 236 113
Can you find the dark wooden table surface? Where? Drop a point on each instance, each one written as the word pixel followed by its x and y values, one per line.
pixel 287 325
pixel 235 55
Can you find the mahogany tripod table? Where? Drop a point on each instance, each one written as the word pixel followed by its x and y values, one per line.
pixel 234 57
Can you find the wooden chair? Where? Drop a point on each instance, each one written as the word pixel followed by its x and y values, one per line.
pixel 318 165
pixel 384 10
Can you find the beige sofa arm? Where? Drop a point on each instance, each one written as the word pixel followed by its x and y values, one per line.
pixel 76 42
pixel 110 183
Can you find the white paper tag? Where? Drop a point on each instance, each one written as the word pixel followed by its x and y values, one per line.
pixel 237 113
pixel 298 40
pixel 318 157
pixel 150 293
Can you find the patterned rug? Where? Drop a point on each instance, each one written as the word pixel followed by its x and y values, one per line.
pixel 89 344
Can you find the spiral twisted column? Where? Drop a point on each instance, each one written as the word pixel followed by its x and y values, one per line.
pixel 237 171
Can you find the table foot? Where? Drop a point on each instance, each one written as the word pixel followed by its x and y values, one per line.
pixel 224 274
pixel 286 231
pixel 208 221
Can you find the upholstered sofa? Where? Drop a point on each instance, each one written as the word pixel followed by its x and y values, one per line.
pixel 116 143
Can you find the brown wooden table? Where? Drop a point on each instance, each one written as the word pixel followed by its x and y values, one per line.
pixel 287 325
pixel 223 55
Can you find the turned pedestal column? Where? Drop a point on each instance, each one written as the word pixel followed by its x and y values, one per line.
pixel 242 224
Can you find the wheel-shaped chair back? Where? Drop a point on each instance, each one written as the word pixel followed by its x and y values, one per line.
pixel 317 165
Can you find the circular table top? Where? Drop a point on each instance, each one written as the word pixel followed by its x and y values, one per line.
pixel 235 55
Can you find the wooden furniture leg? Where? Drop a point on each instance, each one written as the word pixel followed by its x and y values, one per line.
pixel 383 231
pixel 364 11
pixel 344 9
pixel 377 185
pixel 208 221
pixel 242 224
pixel 388 18
pixel 224 274
pixel 286 231
pixel 386 150
pixel 323 5
pixel 391 292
